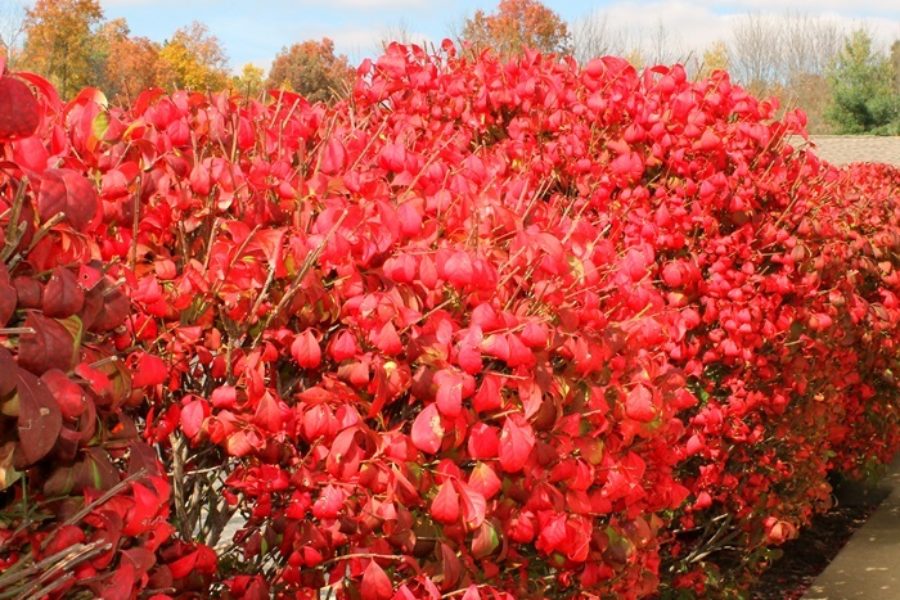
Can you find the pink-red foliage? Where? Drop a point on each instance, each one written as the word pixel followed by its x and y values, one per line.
pixel 488 329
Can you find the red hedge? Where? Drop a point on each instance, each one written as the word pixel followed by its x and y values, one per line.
pixel 483 329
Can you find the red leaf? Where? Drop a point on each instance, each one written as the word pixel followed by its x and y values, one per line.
pixel 474 506
pixel 202 560
pixel 484 480
pixel 672 274
pixel 40 419
pixel 224 396
pixel 388 341
pixel 484 543
pixel 142 559
pixel 270 413
pixel 69 395
pixel 183 566
pixel 20 112
pixel 329 503
pixel 519 353
pixel 410 219
pixel 427 430
pixel 306 351
pixel 458 269
pixel 96 470
pixel 68 192
pixel 535 335
pixel 62 538
pixel 121 585
pixel 376 585
pixel 487 398
pixel 116 309
pixel 192 415
pixel 28 291
pixel 148 370
pixel 8 299
pixel 334 157
pixel 343 346
pixel 146 505
pixel 30 153
pixel 708 141
pixel 639 404
pixel 445 506
pixel 238 444
pixel 449 393
pixel 62 295
pixel 268 242
pixel 8 371
pixel 496 345
pixel 484 441
pixel 516 443
pixel 207 561
pixel 51 346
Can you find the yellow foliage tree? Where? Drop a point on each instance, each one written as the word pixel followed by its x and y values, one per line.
pixel 58 44
pixel 715 58
pixel 250 81
pixel 193 59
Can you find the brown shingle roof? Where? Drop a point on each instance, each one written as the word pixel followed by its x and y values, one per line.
pixel 843 149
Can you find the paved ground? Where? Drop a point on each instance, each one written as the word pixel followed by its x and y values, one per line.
pixel 868 566
pixel 843 149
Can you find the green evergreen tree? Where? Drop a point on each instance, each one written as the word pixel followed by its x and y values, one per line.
pixel 864 98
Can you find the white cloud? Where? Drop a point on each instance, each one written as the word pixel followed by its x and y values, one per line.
pixel 857 7
pixel 674 30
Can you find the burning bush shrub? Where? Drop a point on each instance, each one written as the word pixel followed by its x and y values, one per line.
pixel 485 329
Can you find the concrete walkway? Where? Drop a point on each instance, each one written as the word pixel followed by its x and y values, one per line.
pixel 868 566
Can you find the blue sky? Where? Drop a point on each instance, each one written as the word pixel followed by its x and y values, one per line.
pixel 256 31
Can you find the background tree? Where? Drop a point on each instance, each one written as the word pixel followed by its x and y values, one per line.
pixel 312 69
pixel 59 41
pixel 124 65
pixel 193 59
pixel 250 81
pixel 895 65
pixel 863 93
pixel 516 25
pixel 755 52
pixel 715 58
pixel 398 32
pixel 12 28
pixel 594 36
pixel 810 47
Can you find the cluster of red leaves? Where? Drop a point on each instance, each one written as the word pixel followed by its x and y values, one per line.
pixel 85 502
pixel 488 329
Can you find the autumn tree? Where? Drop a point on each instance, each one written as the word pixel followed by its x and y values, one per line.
pixel 58 44
pixel 124 65
pixel 715 58
pixel 517 25
pixel 312 69
pixel 250 82
pixel 194 59
pixel 863 96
